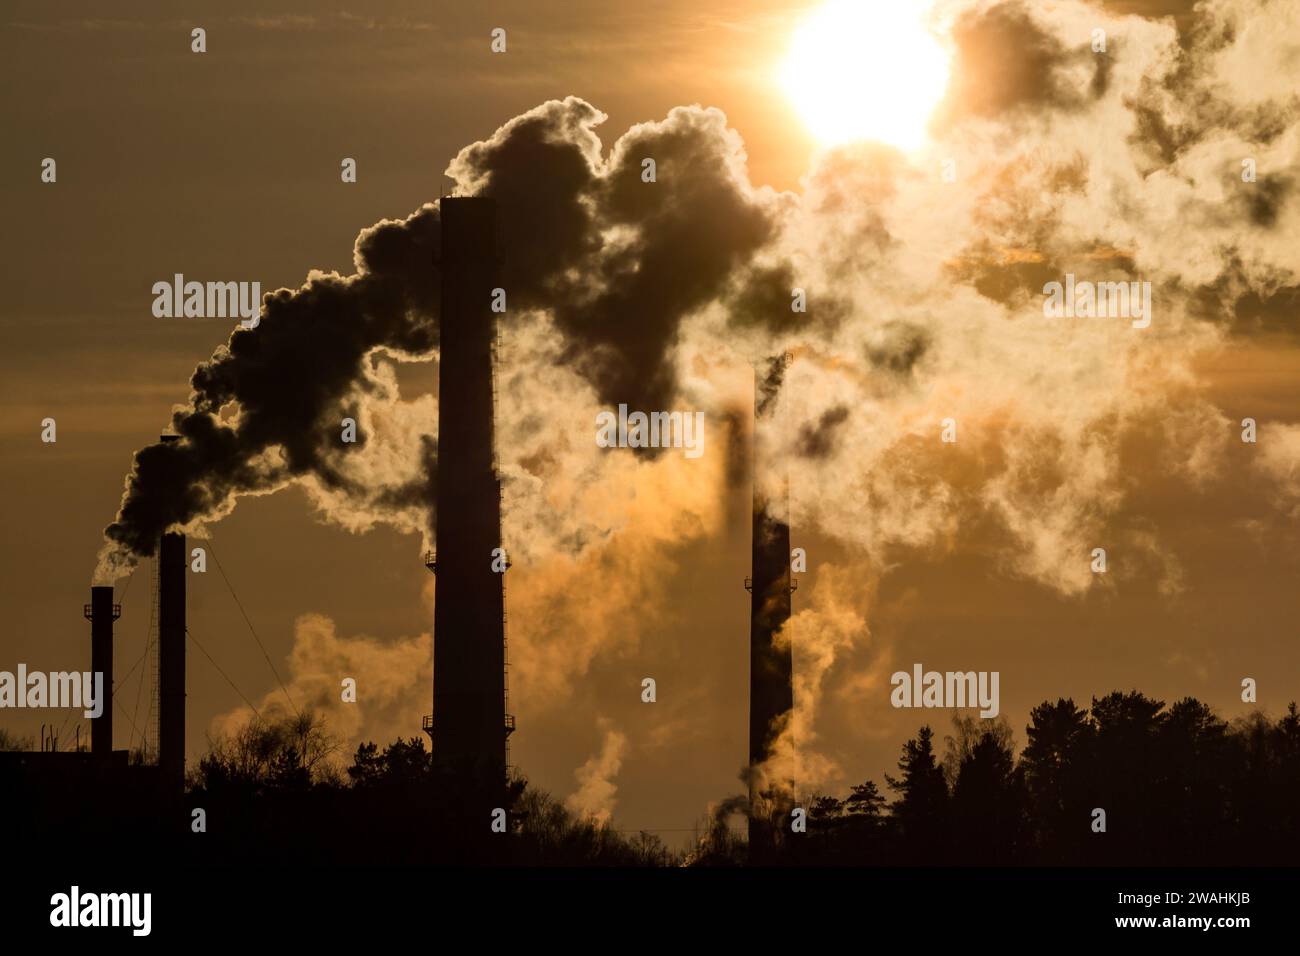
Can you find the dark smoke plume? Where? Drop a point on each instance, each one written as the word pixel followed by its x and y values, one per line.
pixel 618 261
pixel 621 261
pixel 287 381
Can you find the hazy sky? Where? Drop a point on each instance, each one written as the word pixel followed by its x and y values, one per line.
pixel 225 166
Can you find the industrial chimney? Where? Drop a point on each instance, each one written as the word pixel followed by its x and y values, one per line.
pixel 469 725
pixel 172 565
pixel 771 666
pixel 102 612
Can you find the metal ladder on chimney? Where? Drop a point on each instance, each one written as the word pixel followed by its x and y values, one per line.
pixel 495 351
pixel 505 678
pixel 151 663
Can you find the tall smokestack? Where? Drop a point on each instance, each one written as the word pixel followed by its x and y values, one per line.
pixel 469 725
pixel 172 565
pixel 771 666
pixel 102 612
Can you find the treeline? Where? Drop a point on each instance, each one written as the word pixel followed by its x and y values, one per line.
pixel 1171 785
pixel 274 793
pixel 279 797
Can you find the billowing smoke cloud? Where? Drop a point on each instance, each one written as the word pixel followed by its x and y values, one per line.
pixel 597 790
pixel 618 262
pixel 268 407
pixel 1280 460
pixel 593 534
pixel 1129 169
pixel 942 286
pixel 392 680
pixel 834 620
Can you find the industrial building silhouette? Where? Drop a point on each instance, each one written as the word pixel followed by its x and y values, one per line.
pixel 771 659
pixel 469 725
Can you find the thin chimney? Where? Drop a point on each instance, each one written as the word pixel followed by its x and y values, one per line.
pixel 771 665
pixel 469 725
pixel 102 612
pixel 172 565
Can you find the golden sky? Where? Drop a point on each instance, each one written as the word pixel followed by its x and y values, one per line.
pixel 926 303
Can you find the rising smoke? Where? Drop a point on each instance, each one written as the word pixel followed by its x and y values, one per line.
pixel 265 408
pixel 618 266
pixel 924 303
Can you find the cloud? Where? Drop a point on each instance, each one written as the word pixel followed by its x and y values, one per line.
pixel 255 421
pixel 337 20
pixel 618 261
pixel 393 680
pixel 1279 461
pixel 597 790
pixel 593 533
pixel 834 620
pixel 1006 61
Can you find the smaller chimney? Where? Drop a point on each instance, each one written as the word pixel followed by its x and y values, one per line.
pixel 173 563
pixel 102 612
pixel 771 663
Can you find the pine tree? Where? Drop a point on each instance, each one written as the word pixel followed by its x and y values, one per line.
pixel 921 810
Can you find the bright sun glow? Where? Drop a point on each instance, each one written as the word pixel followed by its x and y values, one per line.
pixel 859 69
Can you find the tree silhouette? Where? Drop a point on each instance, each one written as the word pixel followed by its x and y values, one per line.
pixel 1193 781
pixel 922 807
pixel 1127 761
pixel 1056 764
pixel 866 803
pixel 988 804
pixel 288 753
pixel 1179 786
pixel 402 762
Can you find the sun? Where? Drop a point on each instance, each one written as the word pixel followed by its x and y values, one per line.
pixel 866 70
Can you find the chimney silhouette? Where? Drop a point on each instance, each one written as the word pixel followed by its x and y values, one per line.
pixel 172 565
pixel 102 612
pixel 469 725
pixel 771 665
